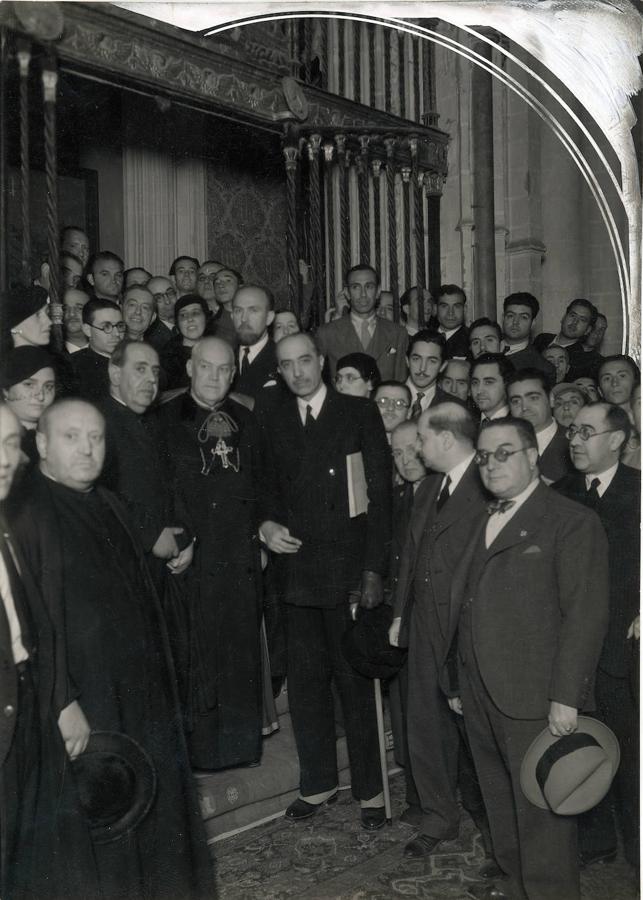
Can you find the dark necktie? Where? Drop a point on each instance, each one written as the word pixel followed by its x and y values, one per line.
pixel 444 494
pixel 505 349
pixel 499 506
pixel 592 496
pixel 245 362
pixel 416 409
pixel 309 424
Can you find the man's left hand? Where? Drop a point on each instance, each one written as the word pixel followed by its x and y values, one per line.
pixel 563 720
pixel 180 563
pixel 372 593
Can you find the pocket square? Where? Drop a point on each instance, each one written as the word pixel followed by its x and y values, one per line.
pixel 391 351
pixel 533 549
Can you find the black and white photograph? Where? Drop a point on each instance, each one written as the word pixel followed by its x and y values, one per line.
pixel 320 449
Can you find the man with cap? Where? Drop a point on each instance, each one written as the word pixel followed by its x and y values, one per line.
pixel 29 387
pixel 104 328
pixel 25 317
pixel 440 530
pixel 46 848
pixel 91 571
pixel 191 314
pixel 214 454
pixel 601 481
pixel 529 603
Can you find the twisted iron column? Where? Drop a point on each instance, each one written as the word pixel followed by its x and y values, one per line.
pixel 341 56
pixel 291 155
pixel 406 228
pixel 23 55
pixel 357 62
pixel 364 204
pixel 324 61
pixel 342 160
pixel 416 79
pixel 49 85
pixel 389 143
pixel 418 221
pixel 401 80
pixel 388 37
pixel 330 217
pixel 371 63
pixel 433 187
pixel 377 167
pixel 316 247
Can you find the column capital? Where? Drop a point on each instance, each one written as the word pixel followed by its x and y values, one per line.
pixel 314 146
pixel 389 143
pixel 406 174
pixel 291 155
pixel 329 151
pixel 376 165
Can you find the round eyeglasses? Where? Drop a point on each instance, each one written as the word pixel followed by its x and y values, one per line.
pixel 585 432
pixel 108 327
pixel 390 403
pixel 501 455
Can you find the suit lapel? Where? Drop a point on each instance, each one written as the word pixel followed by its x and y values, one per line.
pixel 523 525
pixel 460 502
pixel 424 506
pixel 327 427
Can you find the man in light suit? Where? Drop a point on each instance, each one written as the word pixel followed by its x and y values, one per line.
pixel 530 604
pixel 363 331
pixel 440 530
pixel 334 533
pixel 596 439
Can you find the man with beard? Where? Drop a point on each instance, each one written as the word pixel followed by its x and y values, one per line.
pixel 94 581
pixel 214 450
pixel 133 437
pixel 252 313
pixel 46 848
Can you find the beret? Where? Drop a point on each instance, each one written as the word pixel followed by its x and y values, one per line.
pixel 20 303
pixel 23 362
pixel 189 300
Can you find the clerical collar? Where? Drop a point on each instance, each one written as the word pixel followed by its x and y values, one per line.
pixel 118 399
pixel 98 353
pixel 203 405
pixel 605 478
pixel 55 481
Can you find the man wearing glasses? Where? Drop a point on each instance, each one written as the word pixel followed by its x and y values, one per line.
pixel 104 328
pixel 530 605
pixel 601 481
pixel 163 327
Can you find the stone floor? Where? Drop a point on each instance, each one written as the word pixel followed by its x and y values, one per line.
pixel 333 858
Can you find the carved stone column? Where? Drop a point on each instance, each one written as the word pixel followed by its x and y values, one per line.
pixel 49 95
pixel 377 168
pixel 340 140
pixel 291 156
pixel 418 218
pixel 364 202
pixel 483 188
pixel 389 143
pixel 329 169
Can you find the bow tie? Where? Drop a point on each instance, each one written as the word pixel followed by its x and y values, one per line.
pixel 499 506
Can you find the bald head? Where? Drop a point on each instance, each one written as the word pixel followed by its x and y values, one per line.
pixel 211 370
pixel 71 443
pixel 446 435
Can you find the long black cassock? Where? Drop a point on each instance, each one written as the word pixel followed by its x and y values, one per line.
pixel 80 550
pixel 215 457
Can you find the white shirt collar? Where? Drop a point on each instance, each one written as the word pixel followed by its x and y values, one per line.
pixel 560 341
pixel 515 348
pixel 605 479
pixel 499 414
pixel 254 349
pixel 315 402
pixel 74 348
pixel 457 472
pixel 429 393
pixel 449 332
pixel 546 436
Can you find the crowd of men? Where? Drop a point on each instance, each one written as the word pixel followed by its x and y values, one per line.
pixel 200 498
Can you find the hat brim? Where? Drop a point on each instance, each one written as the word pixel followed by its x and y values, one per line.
pixel 110 743
pixel 586 725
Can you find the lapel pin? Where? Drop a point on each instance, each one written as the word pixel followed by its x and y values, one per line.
pixel 523 534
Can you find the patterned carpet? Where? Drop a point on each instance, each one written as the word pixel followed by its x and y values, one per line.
pixel 333 858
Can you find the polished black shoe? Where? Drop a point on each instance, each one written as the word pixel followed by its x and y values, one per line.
pixel 598 856
pixel 300 809
pixel 490 869
pixel 421 846
pixel 412 816
pixel 373 818
pixel 485 892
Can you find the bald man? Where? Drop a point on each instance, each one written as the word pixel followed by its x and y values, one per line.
pixel 79 547
pixel 213 449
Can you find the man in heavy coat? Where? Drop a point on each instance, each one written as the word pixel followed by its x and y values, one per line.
pixel 530 604
pixel 213 450
pixel 95 584
pixel 326 505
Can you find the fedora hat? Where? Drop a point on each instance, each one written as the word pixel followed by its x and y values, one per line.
pixel 366 646
pixel 570 774
pixel 116 784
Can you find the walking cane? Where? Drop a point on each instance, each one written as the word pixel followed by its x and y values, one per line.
pixel 380 736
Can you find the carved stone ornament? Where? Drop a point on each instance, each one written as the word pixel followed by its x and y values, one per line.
pixel 43 21
pixel 295 98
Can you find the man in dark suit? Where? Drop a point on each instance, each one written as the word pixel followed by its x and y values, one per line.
pixel 46 848
pixel 252 313
pixel 450 307
pixel 363 331
pixel 529 601
pixel 577 322
pixel 519 312
pixel 528 395
pixel 326 506
pixel 163 327
pixel 439 532
pixel 426 360
pixel 597 437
